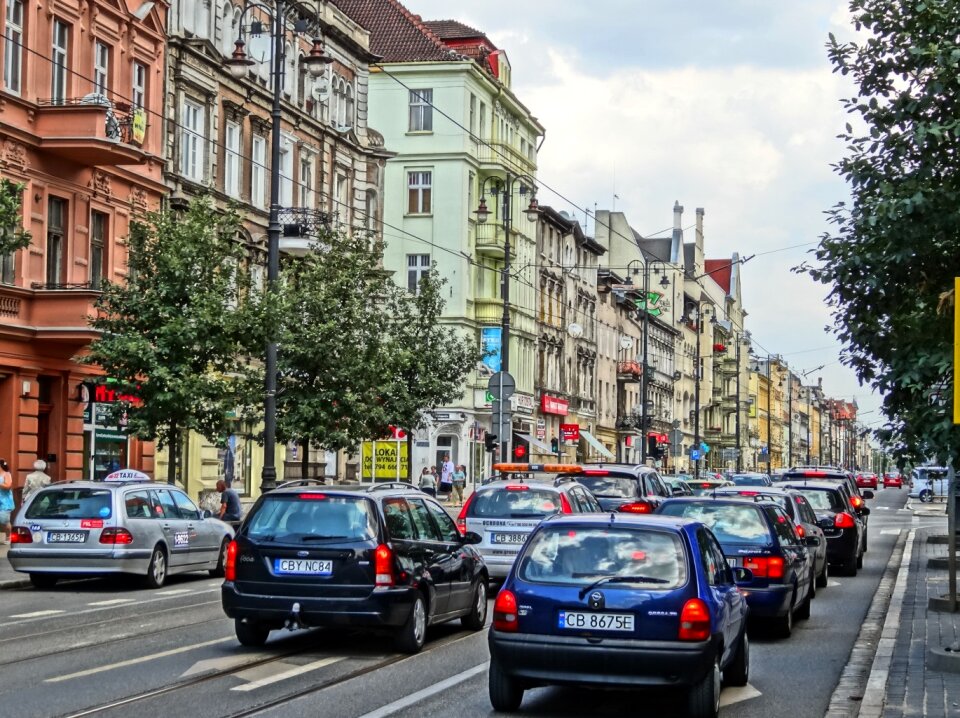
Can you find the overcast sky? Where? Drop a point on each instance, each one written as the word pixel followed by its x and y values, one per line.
pixel 730 106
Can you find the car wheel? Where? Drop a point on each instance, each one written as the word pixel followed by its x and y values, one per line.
pixel 860 560
pixel 824 576
pixel 43 580
pixel 411 636
pixel 157 569
pixel 477 617
pixel 803 610
pixel 703 700
pixel 250 633
pixel 221 561
pixel 926 496
pixel 783 625
pixel 506 693
pixel 738 672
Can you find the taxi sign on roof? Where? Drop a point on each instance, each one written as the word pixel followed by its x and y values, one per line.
pixel 127 475
pixel 538 468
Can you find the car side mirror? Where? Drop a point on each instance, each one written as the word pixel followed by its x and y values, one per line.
pixel 864 511
pixel 812 541
pixel 867 494
pixel 742 575
pixel 471 537
pixel 205 514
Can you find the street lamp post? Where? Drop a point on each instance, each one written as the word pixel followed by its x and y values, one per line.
pixel 644 383
pixel 739 338
pixel 699 306
pixel 238 65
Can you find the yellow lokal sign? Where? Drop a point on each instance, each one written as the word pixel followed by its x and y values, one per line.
pixel 392 460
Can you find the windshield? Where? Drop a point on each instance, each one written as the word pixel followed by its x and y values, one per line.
pixel 522 502
pixel 577 557
pixel 288 518
pixel 730 523
pixel 71 504
pixel 611 486
pixel 822 499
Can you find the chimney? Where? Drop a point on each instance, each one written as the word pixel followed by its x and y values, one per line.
pixel 677 215
pixel 699 223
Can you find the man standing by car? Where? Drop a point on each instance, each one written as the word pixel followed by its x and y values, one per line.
pixel 230 508
pixel 36 479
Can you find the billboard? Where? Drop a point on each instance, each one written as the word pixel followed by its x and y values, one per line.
pixel 391 460
pixel 490 344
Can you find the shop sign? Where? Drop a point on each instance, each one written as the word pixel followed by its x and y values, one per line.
pixel 541 429
pixel 553 405
pixel 523 403
pixel 570 432
pixel 391 460
pixel 109 434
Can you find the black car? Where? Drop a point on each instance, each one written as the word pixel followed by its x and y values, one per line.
pixel 857 498
pixel 624 487
pixel 385 557
pixel 841 523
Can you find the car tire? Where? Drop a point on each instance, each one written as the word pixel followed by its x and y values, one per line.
pixel 926 496
pixel 860 560
pixel 413 633
pixel 783 625
pixel 43 580
pixel 250 633
pixel 221 560
pixel 803 610
pixel 738 672
pixel 475 620
pixel 824 578
pixel 157 568
pixel 506 693
pixel 703 700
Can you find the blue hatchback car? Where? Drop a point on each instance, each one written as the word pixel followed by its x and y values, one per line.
pixel 620 601
pixel 759 536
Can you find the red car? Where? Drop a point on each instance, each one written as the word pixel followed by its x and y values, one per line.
pixel 867 481
pixel 892 480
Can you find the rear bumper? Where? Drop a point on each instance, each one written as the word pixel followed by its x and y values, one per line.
pixel 34 560
pixel 842 549
pixel 770 602
pixel 573 661
pixel 384 607
pixel 498 564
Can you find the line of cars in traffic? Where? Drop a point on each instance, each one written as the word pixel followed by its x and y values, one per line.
pixel 611 576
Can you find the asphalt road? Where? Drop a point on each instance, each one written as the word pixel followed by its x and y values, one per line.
pixel 108 648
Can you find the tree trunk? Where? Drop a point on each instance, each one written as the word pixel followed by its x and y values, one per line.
pixel 173 440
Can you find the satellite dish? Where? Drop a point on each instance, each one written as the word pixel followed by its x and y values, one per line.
pixel 258 48
pixel 626 342
pixel 575 330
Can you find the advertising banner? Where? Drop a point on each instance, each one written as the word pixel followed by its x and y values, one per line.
pixel 490 344
pixel 391 461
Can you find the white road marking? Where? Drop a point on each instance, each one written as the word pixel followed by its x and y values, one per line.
pixel 290 673
pixel 415 698
pixel 174 592
pixel 222 663
pixel 730 696
pixel 135 661
pixel 877 508
pixel 36 614
pixel 890 532
pixel 834 583
pixel 113 602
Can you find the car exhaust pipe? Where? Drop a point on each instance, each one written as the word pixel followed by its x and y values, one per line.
pixel 294 623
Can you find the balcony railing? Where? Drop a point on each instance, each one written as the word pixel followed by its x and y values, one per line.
pixel 92 130
pixel 489 239
pixel 487 310
pixel 56 312
pixel 630 370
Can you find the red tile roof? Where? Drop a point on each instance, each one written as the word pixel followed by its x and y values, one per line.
pixel 396 34
pixel 453 30
pixel 719 271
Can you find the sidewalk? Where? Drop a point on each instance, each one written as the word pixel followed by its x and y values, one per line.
pixel 8 577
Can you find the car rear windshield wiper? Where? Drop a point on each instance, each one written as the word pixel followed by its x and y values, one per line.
pixel 619 579
pixel 319 537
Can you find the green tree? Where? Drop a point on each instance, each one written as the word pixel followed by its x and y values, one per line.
pixel 175 334
pixel 13 236
pixel 892 253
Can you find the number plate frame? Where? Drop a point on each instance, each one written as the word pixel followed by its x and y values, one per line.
pixel 618 622
pixel 66 536
pixel 302 567
pixel 513 539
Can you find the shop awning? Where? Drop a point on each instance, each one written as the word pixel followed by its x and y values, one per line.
pixel 536 442
pixel 600 448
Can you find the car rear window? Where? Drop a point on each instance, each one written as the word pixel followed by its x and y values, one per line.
pixel 71 504
pixel 521 502
pixel 611 486
pixel 730 523
pixel 704 487
pixel 823 499
pixel 313 517
pixel 749 481
pixel 562 555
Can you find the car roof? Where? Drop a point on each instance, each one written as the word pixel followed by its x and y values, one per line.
pixel 614 518
pixel 637 468
pixel 814 484
pixel 543 483
pixel 86 484
pixel 391 488
pixel 732 499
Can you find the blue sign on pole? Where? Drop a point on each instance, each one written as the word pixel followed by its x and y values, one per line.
pixel 695 454
pixel 490 342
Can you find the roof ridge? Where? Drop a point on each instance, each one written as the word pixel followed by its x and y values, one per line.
pixel 417 22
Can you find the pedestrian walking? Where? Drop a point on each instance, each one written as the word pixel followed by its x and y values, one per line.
pixel 36 479
pixel 230 509
pixel 428 482
pixel 446 476
pixel 6 499
pixel 459 481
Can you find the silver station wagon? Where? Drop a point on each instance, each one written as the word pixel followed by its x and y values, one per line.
pixel 87 528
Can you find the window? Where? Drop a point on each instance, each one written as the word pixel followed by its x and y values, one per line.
pixel 258 165
pixel 399 523
pixel 101 68
pixel 56 233
pixel 191 141
pixel 13 47
pixel 139 94
pixel 372 210
pixel 168 509
pixel 421 111
pixel 482 133
pixel 421 519
pixel 306 181
pixel 8 268
pixel 187 508
pixel 347 119
pixel 286 172
pixel 61 42
pixel 418 266
pixel 471 181
pixel 231 164
pixel 418 192
pixel 98 243
pixel 196 17
pixel 473 114
pixel 448 529
pixel 139 505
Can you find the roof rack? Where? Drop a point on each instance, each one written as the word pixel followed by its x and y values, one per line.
pixel 564 480
pixel 391 486
pixel 302 482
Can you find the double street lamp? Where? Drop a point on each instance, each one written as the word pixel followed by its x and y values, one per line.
pixel 284 16
pixel 701 310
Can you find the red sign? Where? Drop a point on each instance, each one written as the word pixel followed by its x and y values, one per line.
pixel 397 434
pixel 553 405
pixel 570 432
pixel 661 438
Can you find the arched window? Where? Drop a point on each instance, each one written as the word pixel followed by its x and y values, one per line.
pixel 348 106
pixel 227 35
pixel 289 71
pixel 188 13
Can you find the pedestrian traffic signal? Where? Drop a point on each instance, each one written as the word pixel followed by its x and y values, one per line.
pixel 490 441
pixel 555 445
pixel 521 448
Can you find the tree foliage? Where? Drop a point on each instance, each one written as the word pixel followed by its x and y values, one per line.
pixel 175 334
pixel 13 236
pixel 892 253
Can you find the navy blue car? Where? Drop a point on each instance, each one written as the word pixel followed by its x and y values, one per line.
pixel 759 536
pixel 620 601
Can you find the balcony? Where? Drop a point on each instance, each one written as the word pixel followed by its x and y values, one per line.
pixel 489 240
pixel 500 154
pixel 58 313
pixel 91 131
pixel 728 366
pixel 487 310
pixel 729 404
pixel 629 371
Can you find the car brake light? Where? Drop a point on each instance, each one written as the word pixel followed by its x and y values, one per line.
pixel 517 487
pixel 801 532
pixel 115 535
pixel 843 520
pixel 505 612
pixel 462 518
pixel 749 493
pixel 313 497
pixel 814 473
pixel 764 566
pixel 21 534
pixel 694 621
pixel 705 486
pixel 383 565
pixel 596 472
pixel 637 507
pixel 230 564
pixel 565 507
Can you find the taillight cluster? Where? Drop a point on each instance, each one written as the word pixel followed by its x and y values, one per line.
pixel 637 507
pixel 21 534
pixel 116 535
pixel 462 518
pixel 230 564
pixel 764 566
pixel 505 612
pixel 565 507
pixel 694 621
pixel 843 520
pixel 383 565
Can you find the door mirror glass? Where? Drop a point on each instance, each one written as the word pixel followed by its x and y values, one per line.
pixel 868 494
pixel 205 514
pixel 742 575
pixel 811 541
pixel 471 537
pixel 864 511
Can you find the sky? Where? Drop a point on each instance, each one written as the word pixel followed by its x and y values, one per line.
pixel 731 106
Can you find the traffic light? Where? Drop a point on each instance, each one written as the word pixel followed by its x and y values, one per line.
pixel 521 448
pixel 555 445
pixel 653 448
pixel 490 441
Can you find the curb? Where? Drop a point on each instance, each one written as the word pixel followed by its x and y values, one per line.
pixel 14 583
pixel 847 698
